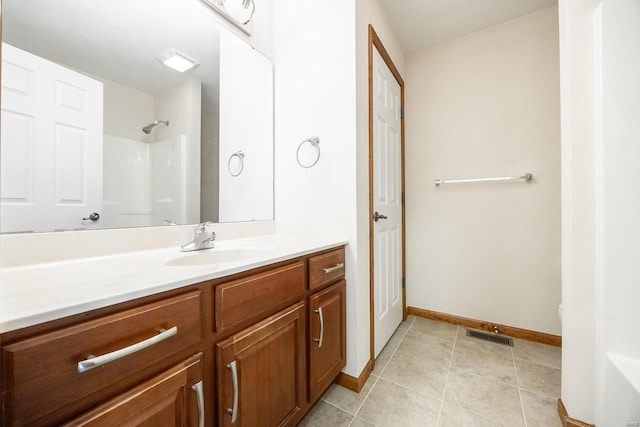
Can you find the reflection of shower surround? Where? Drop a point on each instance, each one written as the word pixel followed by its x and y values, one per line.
pixel 148 128
pixel 157 171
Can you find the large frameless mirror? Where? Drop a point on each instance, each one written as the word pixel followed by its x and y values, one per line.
pixel 121 113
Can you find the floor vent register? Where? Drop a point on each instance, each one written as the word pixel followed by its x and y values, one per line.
pixel 487 336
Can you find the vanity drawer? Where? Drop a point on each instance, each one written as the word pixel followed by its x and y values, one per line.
pixel 250 299
pixel 326 268
pixel 43 372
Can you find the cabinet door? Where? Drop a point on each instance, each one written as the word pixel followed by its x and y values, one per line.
pixel 261 378
pixel 173 398
pixel 327 343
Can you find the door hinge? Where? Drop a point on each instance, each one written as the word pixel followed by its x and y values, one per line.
pixel 402 112
pixel 404 283
pixel 402 197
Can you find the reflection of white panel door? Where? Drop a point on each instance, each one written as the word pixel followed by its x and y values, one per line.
pixel 51 145
pixel 387 202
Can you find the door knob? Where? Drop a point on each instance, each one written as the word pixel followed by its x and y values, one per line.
pixel 93 217
pixel 377 216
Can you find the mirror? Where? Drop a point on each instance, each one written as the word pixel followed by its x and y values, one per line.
pixel 98 132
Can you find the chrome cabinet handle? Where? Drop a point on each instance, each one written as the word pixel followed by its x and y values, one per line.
pixel 377 216
pixel 234 381
pixel 95 361
pixel 334 268
pixel 319 340
pixel 197 387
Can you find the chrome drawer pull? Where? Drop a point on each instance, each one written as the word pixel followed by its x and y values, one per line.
pixel 197 387
pixel 95 361
pixel 334 268
pixel 234 381
pixel 319 340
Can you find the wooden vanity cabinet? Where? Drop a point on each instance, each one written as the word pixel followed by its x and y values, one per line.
pixel 43 378
pixel 242 302
pixel 327 320
pixel 261 372
pixel 173 398
pixel 326 268
pixel 276 369
pixel 327 343
pixel 267 342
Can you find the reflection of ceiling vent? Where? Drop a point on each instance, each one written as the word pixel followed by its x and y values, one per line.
pixel 177 60
pixel 486 336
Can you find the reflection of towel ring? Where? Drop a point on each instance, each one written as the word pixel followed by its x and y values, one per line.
pixel 314 141
pixel 240 155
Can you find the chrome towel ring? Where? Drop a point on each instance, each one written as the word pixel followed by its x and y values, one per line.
pixel 240 155
pixel 313 142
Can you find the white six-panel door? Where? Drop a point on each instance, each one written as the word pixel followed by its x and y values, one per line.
pixel 387 202
pixel 51 145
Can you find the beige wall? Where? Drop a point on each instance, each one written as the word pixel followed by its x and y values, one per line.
pixel 126 111
pixel 485 105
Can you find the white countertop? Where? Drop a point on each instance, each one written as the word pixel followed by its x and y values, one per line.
pixel 43 292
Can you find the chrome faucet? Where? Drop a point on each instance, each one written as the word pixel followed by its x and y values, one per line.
pixel 204 238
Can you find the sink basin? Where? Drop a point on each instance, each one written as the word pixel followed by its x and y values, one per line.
pixel 219 256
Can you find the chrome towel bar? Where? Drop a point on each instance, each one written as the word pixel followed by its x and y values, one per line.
pixel 527 177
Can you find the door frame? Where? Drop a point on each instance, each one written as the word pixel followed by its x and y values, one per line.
pixel 376 43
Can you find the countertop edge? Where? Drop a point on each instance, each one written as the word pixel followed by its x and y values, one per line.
pixel 105 300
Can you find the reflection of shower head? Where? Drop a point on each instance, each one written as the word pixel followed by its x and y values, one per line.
pixel 147 129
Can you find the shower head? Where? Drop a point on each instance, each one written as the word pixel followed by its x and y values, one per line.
pixel 147 129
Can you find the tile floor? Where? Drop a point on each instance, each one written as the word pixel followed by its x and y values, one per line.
pixel 431 374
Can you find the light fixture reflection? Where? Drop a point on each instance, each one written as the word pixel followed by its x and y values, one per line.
pixel 240 10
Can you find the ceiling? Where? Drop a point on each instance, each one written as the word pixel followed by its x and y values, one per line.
pixel 419 24
pixel 118 40
pixel 122 43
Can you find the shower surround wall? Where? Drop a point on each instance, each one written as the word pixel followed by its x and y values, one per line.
pixel 485 105
pixel 133 160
